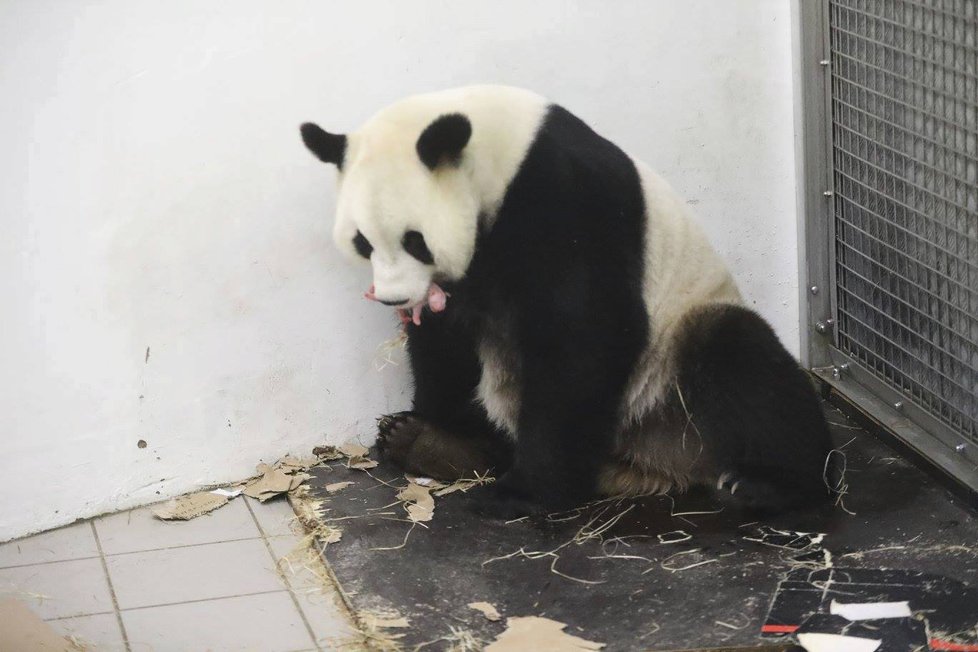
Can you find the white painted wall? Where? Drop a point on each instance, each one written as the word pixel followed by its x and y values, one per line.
pixel 155 196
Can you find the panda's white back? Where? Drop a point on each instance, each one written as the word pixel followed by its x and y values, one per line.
pixel 682 273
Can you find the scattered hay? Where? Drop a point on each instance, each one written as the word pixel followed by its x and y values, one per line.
pixel 676 536
pixel 388 349
pixel 307 508
pixel 464 484
pixel 844 426
pixel 384 621
pixel 667 564
pixel 689 420
pixel 673 513
pixel 366 631
pixel 654 629
pixel 618 542
pixel 593 530
pixel 797 542
pixel 743 621
pixel 841 488
pixel 417 499
pixel 320 582
pixel 407 535
pixel 459 640
pixel 862 553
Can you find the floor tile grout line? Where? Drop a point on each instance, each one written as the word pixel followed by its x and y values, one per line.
pixel 197 600
pixel 183 545
pixel 285 581
pixel 136 552
pixel 108 579
pixel 84 615
pixel 45 563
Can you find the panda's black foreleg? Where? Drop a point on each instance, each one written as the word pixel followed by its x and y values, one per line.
pixel 568 414
pixel 447 435
pixel 756 410
pixel 563 438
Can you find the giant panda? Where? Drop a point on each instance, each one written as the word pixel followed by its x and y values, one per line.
pixel 569 326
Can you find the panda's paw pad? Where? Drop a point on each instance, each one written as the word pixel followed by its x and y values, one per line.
pixel 396 434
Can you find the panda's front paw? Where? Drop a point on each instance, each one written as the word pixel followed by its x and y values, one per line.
pixel 396 434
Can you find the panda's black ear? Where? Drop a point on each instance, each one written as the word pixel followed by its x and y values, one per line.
pixel 444 139
pixel 328 148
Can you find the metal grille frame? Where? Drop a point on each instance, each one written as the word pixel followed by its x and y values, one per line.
pixel 890 170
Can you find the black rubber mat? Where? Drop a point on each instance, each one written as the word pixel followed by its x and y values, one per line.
pixel 662 573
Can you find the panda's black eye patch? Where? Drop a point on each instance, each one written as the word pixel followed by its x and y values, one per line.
pixel 362 245
pixel 413 243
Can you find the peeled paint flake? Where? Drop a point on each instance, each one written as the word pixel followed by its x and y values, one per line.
pixel 535 633
pixel 419 503
pixel 486 609
pixel 190 506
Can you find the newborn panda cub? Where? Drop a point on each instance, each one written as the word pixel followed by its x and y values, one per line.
pixel 570 329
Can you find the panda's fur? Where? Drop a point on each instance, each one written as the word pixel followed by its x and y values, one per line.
pixel 593 340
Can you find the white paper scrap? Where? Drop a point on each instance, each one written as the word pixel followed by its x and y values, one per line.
pixel 870 610
pixel 227 493
pixel 837 643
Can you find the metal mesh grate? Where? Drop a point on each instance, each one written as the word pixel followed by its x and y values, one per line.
pixel 905 153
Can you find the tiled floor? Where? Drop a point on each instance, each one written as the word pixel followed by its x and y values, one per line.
pixel 131 582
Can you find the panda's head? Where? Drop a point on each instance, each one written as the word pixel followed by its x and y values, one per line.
pixel 405 199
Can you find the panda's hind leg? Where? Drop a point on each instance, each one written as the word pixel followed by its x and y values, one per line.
pixel 756 409
pixel 624 479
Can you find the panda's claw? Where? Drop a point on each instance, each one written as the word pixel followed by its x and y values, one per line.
pixel 396 434
pixel 724 479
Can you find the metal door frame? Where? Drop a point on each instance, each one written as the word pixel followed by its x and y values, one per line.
pixel 950 451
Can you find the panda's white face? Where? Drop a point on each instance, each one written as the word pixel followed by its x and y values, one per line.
pixel 412 187
pixel 415 225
